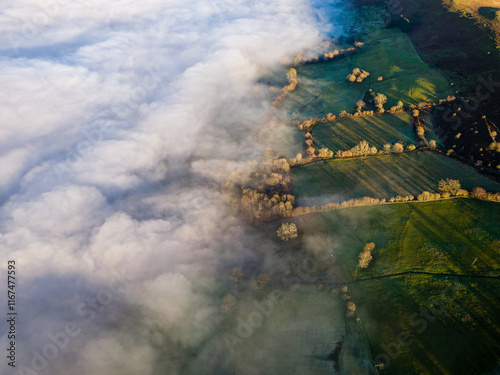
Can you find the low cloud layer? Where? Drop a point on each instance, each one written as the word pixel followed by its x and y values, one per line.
pixel 118 119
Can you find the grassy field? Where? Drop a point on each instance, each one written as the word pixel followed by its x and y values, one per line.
pixel 296 336
pixel 381 177
pixel 438 237
pixel 376 130
pixel 428 302
pixel 461 332
pixel 453 323
pixel 406 76
pixel 388 53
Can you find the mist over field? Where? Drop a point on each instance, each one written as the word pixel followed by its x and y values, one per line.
pixel 119 121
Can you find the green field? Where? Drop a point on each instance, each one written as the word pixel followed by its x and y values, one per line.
pixel 459 237
pixel 406 76
pixel 428 302
pixel 294 336
pixel 376 130
pixel 438 237
pixel 388 53
pixel 453 241
pixel 381 177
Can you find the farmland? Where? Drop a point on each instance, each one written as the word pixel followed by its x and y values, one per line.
pixel 435 258
pixel 301 322
pixel 376 130
pixel 441 238
pixel 381 177
pixel 434 237
pixel 428 301
pixel 388 53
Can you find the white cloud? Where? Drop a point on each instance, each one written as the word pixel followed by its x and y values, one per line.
pixel 113 115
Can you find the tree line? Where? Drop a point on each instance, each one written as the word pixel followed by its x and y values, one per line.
pixel 292 85
pixel 448 188
pixel 329 56
pixel 261 191
pixel 362 149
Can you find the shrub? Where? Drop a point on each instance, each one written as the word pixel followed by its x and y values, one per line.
pixel 357 75
pixel 351 309
pixel 360 104
pixel 494 146
pixel 325 153
pixel 398 148
pixel 478 192
pixel 237 274
pixel 262 280
pixel 449 186
pixel 281 165
pixel 287 231
pixel 420 130
pixel 365 257
pixel 228 303
pixel 351 78
pixel 427 196
pixel 380 100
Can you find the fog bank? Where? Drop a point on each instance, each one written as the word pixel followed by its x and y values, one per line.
pixel 119 121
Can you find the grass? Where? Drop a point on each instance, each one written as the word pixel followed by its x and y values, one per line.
pixel 463 339
pixel 388 53
pixel 435 237
pixel 376 130
pixel 295 337
pixel 300 331
pixel 381 177
pixel 427 255
pixel 406 76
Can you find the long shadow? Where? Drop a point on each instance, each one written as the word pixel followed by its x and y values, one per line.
pixel 473 275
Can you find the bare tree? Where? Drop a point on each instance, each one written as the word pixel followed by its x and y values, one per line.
pixel 365 257
pixel 380 100
pixel 262 280
pixel 478 192
pixel 237 274
pixel 398 147
pixel 360 105
pixel 287 231
pixel 228 303
pixel 449 186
